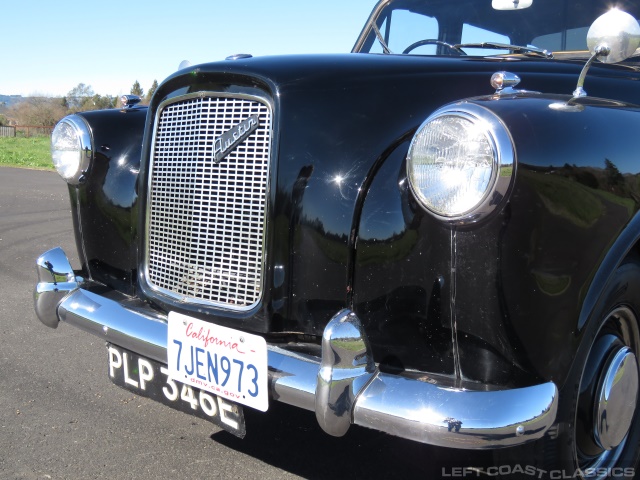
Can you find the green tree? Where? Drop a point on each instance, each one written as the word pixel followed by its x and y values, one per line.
pixel 78 96
pixel 98 102
pixel 613 175
pixel 136 89
pixel 151 91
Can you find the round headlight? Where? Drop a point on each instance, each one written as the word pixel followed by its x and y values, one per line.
pixel 461 162
pixel 71 148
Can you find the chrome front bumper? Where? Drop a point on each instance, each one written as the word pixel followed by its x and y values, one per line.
pixel 343 385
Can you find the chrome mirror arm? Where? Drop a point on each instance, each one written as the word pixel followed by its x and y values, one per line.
pixel 600 51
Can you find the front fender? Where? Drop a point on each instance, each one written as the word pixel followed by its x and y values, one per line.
pixel 505 300
pixel 105 205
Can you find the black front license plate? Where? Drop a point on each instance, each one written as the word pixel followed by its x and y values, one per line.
pixel 148 378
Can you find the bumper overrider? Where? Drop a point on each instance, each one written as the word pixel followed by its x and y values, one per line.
pixel 343 386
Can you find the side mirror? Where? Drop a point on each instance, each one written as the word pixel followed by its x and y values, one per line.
pixel 612 38
pixel 616 31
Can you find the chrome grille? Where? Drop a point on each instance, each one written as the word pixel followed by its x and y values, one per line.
pixel 205 220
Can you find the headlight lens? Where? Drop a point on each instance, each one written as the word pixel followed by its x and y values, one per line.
pixel 460 162
pixel 71 148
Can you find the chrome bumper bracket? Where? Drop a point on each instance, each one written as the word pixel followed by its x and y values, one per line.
pixel 56 280
pixel 346 366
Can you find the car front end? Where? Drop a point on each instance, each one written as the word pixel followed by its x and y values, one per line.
pixel 378 238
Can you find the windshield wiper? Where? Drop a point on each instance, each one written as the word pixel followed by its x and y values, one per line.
pixel 504 46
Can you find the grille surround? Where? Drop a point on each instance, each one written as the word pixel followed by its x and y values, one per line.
pixel 205 221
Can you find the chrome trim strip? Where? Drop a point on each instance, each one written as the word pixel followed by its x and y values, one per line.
pixel 402 406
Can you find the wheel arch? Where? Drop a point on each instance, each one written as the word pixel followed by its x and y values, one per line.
pixel 625 245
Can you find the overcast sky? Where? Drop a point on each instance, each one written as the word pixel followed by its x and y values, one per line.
pixel 51 46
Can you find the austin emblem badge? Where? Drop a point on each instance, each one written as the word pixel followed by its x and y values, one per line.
pixel 225 143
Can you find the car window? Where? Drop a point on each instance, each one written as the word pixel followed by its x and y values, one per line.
pixel 573 39
pixel 406 28
pixel 554 25
pixel 471 34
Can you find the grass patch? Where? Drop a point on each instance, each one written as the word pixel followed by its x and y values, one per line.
pixel 26 152
pixel 628 203
pixel 567 198
pixel 396 249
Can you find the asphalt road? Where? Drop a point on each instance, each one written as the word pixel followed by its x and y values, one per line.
pixel 62 418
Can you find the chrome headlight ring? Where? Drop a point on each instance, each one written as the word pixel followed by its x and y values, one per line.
pixel 461 163
pixel 72 148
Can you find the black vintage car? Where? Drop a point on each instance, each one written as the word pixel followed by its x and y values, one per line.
pixel 434 236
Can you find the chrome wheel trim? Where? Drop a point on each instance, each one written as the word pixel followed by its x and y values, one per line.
pixel 616 399
pixel 620 336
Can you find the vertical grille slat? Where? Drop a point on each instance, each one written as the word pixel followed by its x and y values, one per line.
pixel 206 219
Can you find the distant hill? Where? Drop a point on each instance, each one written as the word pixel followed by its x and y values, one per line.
pixel 9 100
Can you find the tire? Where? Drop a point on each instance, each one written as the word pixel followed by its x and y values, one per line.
pixel 597 429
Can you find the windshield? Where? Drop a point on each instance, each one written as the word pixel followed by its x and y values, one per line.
pixel 446 27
